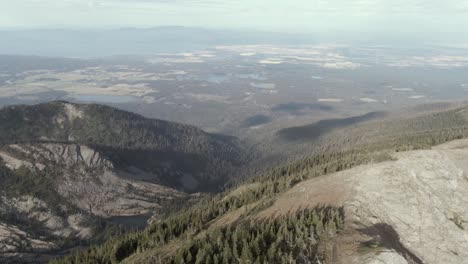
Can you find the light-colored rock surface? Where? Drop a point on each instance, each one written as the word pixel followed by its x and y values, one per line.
pixel 416 205
pixel 63 154
pixel 89 180
pixel 70 113
pixel 90 187
pixel 14 163
pixel 390 257
pixel 13 239
pixel 33 210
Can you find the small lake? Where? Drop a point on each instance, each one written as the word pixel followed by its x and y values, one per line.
pixel 136 222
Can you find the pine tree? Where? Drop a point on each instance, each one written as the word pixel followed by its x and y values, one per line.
pixel 189 257
pixel 246 256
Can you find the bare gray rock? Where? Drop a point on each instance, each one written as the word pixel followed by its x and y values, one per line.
pixel 86 181
pixel 416 206
pixel 390 257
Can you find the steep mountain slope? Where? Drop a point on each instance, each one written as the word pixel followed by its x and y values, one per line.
pixel 179 156
pixel 366 203
pixel 74 174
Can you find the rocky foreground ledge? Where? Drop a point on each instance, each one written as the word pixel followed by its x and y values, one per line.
pixel 413 209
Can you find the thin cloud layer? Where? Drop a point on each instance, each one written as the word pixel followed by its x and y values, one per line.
pixel 273 15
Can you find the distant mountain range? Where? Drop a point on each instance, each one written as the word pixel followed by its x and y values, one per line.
pixel 86 43
pixel 132 41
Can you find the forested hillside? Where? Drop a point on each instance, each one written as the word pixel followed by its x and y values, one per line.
pixel 179 156
pixel 232 227
pixel 75 174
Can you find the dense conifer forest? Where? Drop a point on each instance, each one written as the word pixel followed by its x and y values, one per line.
pixel 187 233
pixel 189 237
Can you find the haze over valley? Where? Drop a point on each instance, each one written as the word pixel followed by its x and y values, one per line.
pixel 190 132
pixel 246 90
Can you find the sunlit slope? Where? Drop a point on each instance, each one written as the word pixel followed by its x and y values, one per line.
pixel 305 215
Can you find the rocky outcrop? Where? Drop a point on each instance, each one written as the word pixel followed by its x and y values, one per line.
pixel 88 179
pixel 13 239
pixel 36 155
pixel 69 113
pixel 35 227
pixel 90 190
pixel 410 210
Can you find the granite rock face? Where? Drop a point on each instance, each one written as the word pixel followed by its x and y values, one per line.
pixel 413 209
pixel 89 190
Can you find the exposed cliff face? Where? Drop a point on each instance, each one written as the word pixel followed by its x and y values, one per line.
pixel 34 156
pixel 88 179
pixel 88 187
pixel 410 210
pixel 46 227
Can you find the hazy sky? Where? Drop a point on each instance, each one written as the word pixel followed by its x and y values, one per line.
pixel 271 15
